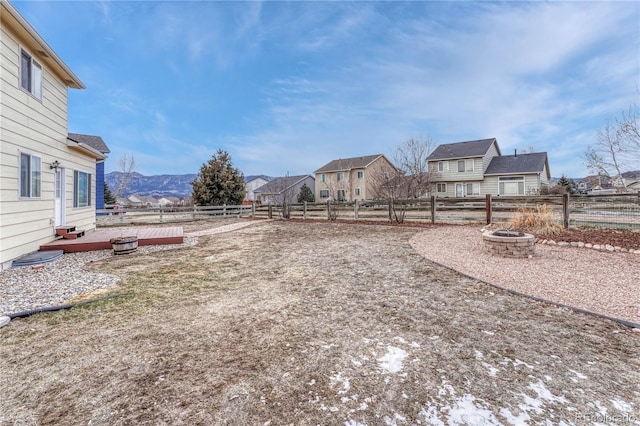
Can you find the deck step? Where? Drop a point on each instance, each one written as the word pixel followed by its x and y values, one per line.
pixel 68 232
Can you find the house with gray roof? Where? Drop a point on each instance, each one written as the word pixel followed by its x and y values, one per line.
pixel 476 168
pixel 283 190
pixel 349 179
pixel 96 144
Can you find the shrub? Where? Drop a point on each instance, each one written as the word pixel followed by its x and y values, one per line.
pixel 536 220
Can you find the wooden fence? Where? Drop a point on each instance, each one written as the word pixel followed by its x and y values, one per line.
pixel 611 211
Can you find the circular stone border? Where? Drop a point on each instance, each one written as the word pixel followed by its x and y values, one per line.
pixel 509 246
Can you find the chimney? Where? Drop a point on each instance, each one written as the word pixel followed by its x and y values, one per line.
pixel 515 152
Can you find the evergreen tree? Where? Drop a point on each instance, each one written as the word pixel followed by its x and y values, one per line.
pixel 109 198
pixel 568 184
pixel 218 182
pixel 306 195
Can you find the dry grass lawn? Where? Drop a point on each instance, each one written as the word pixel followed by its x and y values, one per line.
pixel 323 323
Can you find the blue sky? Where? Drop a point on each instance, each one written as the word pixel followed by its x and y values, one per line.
pixel 288 87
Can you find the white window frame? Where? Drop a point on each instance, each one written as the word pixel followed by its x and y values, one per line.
pixel 30 77
pixel 340 176
pixel 439 186
pixel 467 165
pixel 474 185
pixel 33 182
pixel 323 177
pixel 443 166
pixel 77 202
pixel 519 179
pixel 357 191
pixel 360 175
pixel 324 193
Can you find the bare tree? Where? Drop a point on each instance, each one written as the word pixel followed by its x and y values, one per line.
pixel 617 148
pixel 411 158
pixel 283 190
pixel 390 184
pixel 127 166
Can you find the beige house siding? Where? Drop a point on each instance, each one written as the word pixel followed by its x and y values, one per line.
pixel 350 182
pixel 37 127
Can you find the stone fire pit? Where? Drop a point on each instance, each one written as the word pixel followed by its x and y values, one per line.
pixel 509 243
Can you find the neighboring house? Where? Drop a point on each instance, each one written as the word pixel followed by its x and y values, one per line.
pixel 142 201
pixel 476 168
pixel 46 179
pixel 98 144
pixel 251 183
pixel 283 189
pixel 350 179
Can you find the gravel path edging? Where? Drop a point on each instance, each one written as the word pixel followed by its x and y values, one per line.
pixel 544 277
pixel 540 299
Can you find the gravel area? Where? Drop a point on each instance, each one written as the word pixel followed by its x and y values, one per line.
pixel 602 282
pixel 65 279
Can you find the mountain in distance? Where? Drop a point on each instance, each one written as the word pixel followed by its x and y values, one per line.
pixel 155 186
pixel 158 185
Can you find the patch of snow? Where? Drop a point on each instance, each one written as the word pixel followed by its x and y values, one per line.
pixel 431 416
pixel 478 354
pixel 392 421
pixel 400 339
pixel 578 375
pixel 492 370
pixel 548 378
pixel 414 344
pixel 312 382
pixel 363 406
pixel 353 423
pixel 391 362
pixel 342 381
pixel 621 405
pixel 434 337
pixel 521 419
pixel 544 396
pixel 490 333
pixel 466 411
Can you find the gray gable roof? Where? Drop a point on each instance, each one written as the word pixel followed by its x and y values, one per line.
pixel 348 163
pixel 534 162
pixel 279 184
pixel 466 149
pixel 94 142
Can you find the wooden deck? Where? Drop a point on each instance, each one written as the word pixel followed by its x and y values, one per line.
pixel 100 239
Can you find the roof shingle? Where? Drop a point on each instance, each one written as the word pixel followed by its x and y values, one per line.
pixel 522 163
pixel 348 163
pixel 94 142
pixel 467 149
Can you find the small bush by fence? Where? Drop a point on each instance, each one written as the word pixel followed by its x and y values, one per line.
pixel 610 211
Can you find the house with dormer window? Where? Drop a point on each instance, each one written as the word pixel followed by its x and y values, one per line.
pixel 477 168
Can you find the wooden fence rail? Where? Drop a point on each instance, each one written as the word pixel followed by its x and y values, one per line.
pixel 611 210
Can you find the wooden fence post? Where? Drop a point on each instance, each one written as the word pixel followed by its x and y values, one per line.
pixel 488 208
pixel 160 213
pixel 565 211
pixel 433 209
pixel 253 208
pixel 356 207
pixel 270 214
pixel 304 210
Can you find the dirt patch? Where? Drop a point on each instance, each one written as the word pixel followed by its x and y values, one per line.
pixel 313 323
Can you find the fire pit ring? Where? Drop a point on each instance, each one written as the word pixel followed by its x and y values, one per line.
pixel 509 243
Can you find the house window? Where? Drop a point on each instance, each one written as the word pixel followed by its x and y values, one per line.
pixel 473 189
pixel 511 185
pixel 324 193
pixel 441 187
pixel 342 195
pixel 357 191
pixel 81 189
pixel 30 75
pixel 30 176
pixel 340 176
pixel 323 177
pixel 465 165
pixel 443 166
pixel 360 175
